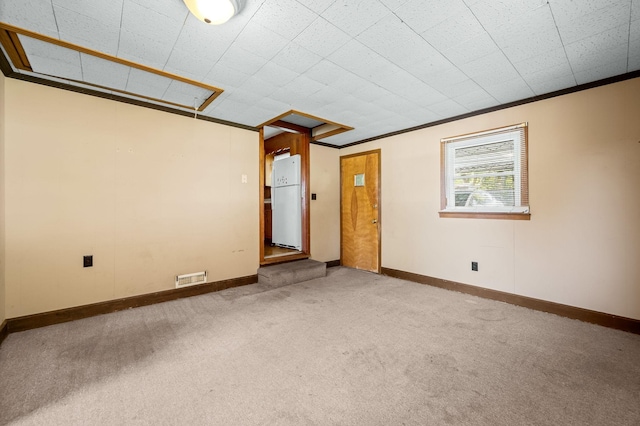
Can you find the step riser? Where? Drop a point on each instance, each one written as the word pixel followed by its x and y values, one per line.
pixel 291 273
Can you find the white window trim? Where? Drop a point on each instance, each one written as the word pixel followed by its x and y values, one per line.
pixel 482 138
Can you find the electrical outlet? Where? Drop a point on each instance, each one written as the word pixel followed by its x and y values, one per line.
pixel 87 262
pixel 474 266
pixel 243 178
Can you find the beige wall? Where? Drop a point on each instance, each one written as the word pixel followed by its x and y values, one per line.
pixel 325 210
pixel 582 244
pixel 149 194
pixel 3 315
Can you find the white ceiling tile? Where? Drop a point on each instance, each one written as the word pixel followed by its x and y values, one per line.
pixel 304 86
pixel 31 14
pixel 634 45
pixel 490 69
pixel 109 13
pixel 355 57
pixel 421 15
pixel 553 84
pixel 257 115
pixel 594 23
pixel 322 38
pixel 50 59
pixel 530 34
pixel 196 51
pixel 63 69
pixel 230 110
pixel 186 94
pixel 448 108
pixel 454 30
pixel 150 24
pixel 103 72
pixel 349 83
pixel 176 10
pixel 208 41
pixel 188 63
pixel 371 92
pixel 318 6
pixel 223 76
pixel 456 89
pixel 447 77
pixel 257 85
pixel 422 116
pixel 326 72
pixel 634 35
pixel 497 15
pixel 276 107
pixel 328 95
pixel 634 63
pixel 548 73
pixel 408 87
pixel 394 40
pixel 43 49
pixel 296 58
pixel 471 50
pixel 87 31
pixel 531 45
pixel 609 46
pixel 469 100
pixel 607 70
pixel 143 50
pixel 285 17
pixel 545 61
pixel 147 84
pixel 240 95
pixel 509 91
pixel 567 10
pixel 355 16
pixel 276 75
pixel 239 59
pixel 393 4
pixel 260 41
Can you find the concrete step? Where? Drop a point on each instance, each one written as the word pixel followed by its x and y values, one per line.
pixel 291 272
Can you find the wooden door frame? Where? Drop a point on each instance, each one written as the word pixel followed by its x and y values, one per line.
pixel 304 152
pixel 379 153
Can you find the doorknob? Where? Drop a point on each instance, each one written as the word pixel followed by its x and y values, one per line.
pixel 374 221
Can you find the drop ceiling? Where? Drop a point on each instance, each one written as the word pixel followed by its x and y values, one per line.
pixel 379 66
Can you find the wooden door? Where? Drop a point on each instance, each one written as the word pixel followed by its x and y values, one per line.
pixel 360 211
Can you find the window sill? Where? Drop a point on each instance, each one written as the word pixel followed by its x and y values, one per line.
pixel 485 215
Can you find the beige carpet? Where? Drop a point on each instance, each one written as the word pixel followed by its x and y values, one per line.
pixel 350 349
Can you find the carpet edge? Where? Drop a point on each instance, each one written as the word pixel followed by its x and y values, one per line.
pixel 43 319
pixel 586 315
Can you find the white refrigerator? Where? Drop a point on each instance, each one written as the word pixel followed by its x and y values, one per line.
pixel 286 203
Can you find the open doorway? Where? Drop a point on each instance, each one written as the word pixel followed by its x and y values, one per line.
pixel 289 134
pixel 280 148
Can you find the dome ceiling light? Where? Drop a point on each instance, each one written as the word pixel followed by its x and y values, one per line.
pixel 214 12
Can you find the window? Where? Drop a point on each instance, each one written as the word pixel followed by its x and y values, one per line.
pixel 485 174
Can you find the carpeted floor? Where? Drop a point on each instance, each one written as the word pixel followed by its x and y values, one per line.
pixel 353 348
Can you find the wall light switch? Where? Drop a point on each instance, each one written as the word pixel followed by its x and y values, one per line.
pixel 244 178
pixel 87 262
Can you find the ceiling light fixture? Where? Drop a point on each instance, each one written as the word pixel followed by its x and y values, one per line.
pixel 214 12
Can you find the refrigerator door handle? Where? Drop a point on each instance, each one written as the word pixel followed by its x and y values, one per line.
pixel 273 187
